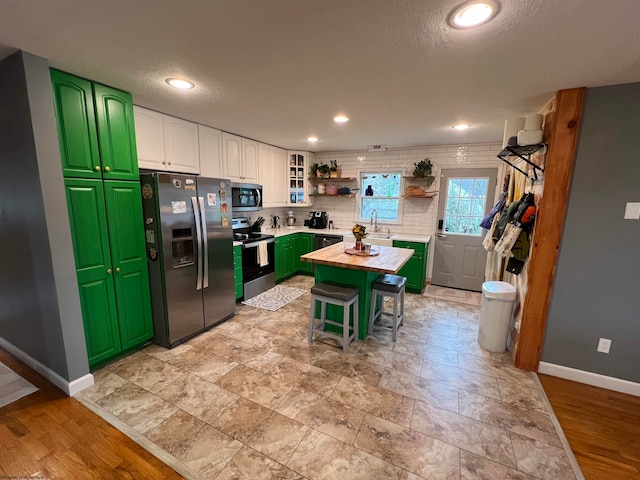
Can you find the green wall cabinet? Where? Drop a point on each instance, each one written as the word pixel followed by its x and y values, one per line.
pixel 306 246
pixel 95 129
pixel 237 271
pixel 416 267
pixel 99 163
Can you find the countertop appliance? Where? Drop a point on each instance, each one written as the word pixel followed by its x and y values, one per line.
pixel 321 240
pixel 318 219
pixel 246 197
pixel 258 258
pixel 291 220
pixel 189 252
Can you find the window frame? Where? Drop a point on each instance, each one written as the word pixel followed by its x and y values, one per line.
pixel 361 195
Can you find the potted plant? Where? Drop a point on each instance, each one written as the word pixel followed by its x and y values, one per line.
pixel 359 232
pixel 313 170
pixel 324 170
pixel 423 170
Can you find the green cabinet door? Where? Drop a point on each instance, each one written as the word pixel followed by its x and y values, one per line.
pixel 295 252
pixel 116 133
pixel 237 271
pixel 306 246
pixel 128 257
pixel 279 254
pixel 87 216
pixel 77 133
pixel 416 267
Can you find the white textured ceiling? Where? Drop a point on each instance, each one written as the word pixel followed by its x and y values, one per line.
pixel 279 70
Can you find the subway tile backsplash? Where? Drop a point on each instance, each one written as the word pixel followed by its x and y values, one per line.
pixel 419 214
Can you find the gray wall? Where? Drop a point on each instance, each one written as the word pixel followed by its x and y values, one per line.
pixel 597 288
pixel 39 304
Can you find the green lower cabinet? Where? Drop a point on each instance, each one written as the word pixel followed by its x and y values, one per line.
pixel 129 258
pixel 108 240
pixel 88 222
pixel 306 246
pixel 416 267
pixel 237 271
pixel 287 253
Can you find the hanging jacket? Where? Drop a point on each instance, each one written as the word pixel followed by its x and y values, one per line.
pixel 488 220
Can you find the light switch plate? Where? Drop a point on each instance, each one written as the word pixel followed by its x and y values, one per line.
pixel 632 211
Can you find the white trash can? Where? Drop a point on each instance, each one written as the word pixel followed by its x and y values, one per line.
pixel 496 310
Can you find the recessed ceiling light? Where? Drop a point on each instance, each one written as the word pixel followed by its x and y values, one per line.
pixel 461 126
pixel 312 139
pixel 180 83
pixel 474 13
pixel 340 119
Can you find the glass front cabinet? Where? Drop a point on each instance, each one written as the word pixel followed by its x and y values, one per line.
pixel 299 163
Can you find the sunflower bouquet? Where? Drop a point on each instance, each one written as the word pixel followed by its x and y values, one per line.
pixel 359 231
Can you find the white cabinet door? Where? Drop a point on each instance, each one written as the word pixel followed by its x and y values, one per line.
pixel 279 168
pixel 210 143
pixel 149 138
pixel 231 157
pixel 298 184
pixel 265 174
pixel 181 145
pixel 249 161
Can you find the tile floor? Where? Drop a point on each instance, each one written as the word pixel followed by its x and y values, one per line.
pixel 252 399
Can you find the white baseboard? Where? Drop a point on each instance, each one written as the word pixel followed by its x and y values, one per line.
pixel 68 387
pixel 590 378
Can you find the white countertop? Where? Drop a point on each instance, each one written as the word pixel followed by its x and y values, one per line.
pixel 282 231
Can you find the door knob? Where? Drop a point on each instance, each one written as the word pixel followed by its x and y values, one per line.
pixel 108 270
pixel 442 235
pixel 117 269
pixel 107 169
pixel 97 168
pixel 169 163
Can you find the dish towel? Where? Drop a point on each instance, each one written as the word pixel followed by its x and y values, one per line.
pixel 263 255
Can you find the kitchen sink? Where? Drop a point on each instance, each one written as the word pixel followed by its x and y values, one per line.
pixel 384 240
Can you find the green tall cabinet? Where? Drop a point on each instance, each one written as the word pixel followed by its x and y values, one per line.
pixel 97 144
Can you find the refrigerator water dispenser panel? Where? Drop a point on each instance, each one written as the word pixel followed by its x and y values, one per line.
pixel 182 247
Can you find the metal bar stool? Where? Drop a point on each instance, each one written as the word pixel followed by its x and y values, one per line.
pixel 334 294
pixel 388 286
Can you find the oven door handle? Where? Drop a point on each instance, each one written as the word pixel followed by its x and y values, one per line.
pixel 255 244
pixel 196 217
pixel 205 245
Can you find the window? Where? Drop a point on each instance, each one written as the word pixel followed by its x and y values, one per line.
pixel 385 199
pixel 466 199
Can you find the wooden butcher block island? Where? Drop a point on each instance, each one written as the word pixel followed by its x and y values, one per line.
pixel 334 265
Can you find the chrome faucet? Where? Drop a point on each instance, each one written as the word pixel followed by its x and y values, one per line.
pixel 374 219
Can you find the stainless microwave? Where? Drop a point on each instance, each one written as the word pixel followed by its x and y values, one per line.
pixel 246 197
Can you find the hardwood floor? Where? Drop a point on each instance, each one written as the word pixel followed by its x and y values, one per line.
pixel 602 426
pixel 49 435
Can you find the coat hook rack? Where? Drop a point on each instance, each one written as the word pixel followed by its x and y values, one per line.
pixel 523 153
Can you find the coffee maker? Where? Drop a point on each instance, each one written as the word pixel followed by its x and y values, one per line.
pixel 318 219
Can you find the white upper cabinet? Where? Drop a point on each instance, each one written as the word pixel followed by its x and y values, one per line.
pixel 149 138
pixel 181 145
pixel 239 158
pixel 272 163
pixel 249 160
pixel 298 186
pixel 231 155
pixel 210 143
pixel 165 143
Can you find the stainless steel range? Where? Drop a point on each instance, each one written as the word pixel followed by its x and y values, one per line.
pixel 258 256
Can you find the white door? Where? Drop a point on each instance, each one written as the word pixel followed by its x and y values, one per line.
pixel 231 157
pixel 210 146
pixel 466 196
pixel 181 145
pixel 249 160
pixel 149 138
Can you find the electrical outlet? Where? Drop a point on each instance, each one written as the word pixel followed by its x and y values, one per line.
pixel 604 344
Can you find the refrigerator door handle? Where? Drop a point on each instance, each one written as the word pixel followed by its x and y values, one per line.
pixel 196 214
pixel 205 243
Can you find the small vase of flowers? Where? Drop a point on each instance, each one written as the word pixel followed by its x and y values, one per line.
pixel 359 232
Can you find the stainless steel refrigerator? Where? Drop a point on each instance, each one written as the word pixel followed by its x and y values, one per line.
pixel 189 252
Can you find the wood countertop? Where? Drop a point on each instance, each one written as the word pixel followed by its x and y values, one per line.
pixel 390 260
